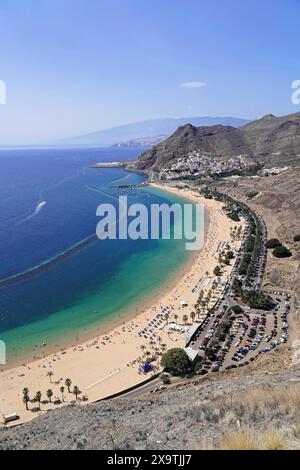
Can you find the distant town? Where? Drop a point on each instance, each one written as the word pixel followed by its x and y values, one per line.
pixel 197 165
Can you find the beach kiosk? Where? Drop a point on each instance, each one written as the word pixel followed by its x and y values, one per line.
pixel 146 368
pixel 193 355
pixel 191 333
pixel 10 417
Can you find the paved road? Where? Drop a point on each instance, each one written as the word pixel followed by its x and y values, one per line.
pixel 149 387
pixel 142 389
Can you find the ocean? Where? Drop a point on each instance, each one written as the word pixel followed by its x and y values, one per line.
pixel 58 282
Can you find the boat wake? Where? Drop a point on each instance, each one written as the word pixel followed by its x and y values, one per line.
pixel 24 218
pixel 36 211
pixel 20 220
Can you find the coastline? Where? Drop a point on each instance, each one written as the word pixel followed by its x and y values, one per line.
pixel 69 339
pixel 107 324
pixel 86 363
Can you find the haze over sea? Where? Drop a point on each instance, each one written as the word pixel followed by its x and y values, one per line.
pixel 63 282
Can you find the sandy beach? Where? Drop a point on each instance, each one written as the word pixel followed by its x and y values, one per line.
pixel 109 363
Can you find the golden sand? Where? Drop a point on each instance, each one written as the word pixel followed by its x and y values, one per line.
pixel 110 363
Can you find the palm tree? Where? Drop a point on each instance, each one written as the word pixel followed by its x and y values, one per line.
pixel 185 318
pixel 49 394
pixel 38 397
pixel 76 391
pixel 50 375
pixel 62 389
pixel 26 398
pixel 68 383
pixel 193 316
pixel 167 317
pixel 176 318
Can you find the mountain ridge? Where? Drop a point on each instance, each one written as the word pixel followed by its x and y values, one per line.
pixel 146 129
pixel 272 140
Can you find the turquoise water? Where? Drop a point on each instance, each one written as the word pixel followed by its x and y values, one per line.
pixel 68 292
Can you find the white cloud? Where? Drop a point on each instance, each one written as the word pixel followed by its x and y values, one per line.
pixel 193 85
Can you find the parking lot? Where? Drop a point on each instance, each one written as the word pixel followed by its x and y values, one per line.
pixel 248 334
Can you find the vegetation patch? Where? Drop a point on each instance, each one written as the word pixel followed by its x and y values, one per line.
pixel 176 361
pixel 251 194
pixel 273 243
pixel 236 309
pixel 233 215
pixel 282 252
pixel 217 271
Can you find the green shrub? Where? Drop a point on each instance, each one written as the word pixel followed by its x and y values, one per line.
pixel 282 252
pixel 176 361
pixel 229 255
pixel 251 194
pixel 217 271
pixel 237 309
pixel 273 243
pixel 234 216
pixel 258 300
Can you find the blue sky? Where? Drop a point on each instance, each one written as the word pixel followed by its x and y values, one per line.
pixel 76 66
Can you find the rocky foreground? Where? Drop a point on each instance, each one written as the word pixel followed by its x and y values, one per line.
pixel 258 408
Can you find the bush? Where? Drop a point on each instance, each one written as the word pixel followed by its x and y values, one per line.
pixel 282 252
pixel 297 238
pixel 237 287
pixel 217 271
pixel 251 194
pixel 165 379
pixel 237 309
pixel 234 216
pixel 273 243
pixel 176 361
pixel 250 243
pixel 229 255
pixel 258 300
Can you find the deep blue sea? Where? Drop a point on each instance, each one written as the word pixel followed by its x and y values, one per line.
pixel 57 280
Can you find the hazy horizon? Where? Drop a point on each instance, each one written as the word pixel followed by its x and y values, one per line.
pixel 72 69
